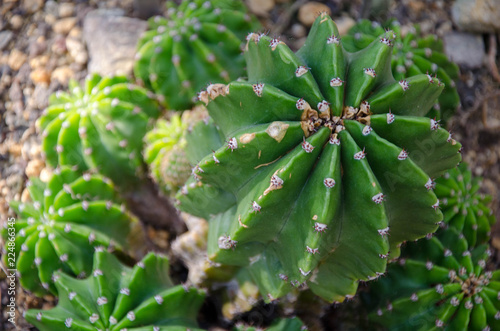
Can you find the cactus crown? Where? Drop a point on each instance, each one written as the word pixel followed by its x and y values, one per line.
pixel 100 126
pixel 68 217
pixel 441 282
pixel 463 206
pixel 116 297
pixel 412 55
pixel 198 42
pixel 334 136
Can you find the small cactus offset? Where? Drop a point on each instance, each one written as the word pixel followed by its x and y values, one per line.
pixel 412 56
pixel 463 206
pixel 99 126
pixel 330 161
pixel 441 283
pixel 68 217
pixel 198 42
pixel 115 297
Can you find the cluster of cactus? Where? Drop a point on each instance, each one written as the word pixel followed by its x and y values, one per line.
pixel 68 217
pixel 117 297
pixel 463 207
pixel 329 162
pixel 412 55
pixel 441 282
pixel 100 126
pixel 198 42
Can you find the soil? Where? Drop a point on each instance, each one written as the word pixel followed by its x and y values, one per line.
pixel 35 62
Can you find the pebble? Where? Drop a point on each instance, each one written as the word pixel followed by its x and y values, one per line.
pixel 77 50
pixel 51 7
pixel 465 49
pixel 62 74
pixel 39 61
pixel 64 25
pixel 298 30
pixel 32 6
pixel 16 22
pixel 34 168
pixel 16 59
pixel 344 24
pixel 66 9
pixel 40 75
pixel 481 16
pixel 260 7
pixel 5 38
pixel 310 11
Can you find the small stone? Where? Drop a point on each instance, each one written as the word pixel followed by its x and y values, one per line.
pixel 344 24
pixel 16 59
pixel 5 38
pixel 260 7
pixel 39 61
pixel 40 75
pixel 66 9
pixel 77 50
pixel 465 49
pixel 62 74
pixel 481 16
pixel 310 11
pixel 34 168
pixel 32 6
pixel 298 30
pixel 45 175
pixel 64 25
pixel 16 22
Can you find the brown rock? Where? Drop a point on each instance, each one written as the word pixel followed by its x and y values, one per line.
pixel 310 11
pixel 16 22
pixel 16 59
pixel 66 9
pixel 344 24
pixel 15 149
pixel 77 50
pixel 260 7
pixel 32 6
pixel 62 74
pixel 39 61
pixel 40 75
pixel 34 168
pixel 477 15
pixel 64 25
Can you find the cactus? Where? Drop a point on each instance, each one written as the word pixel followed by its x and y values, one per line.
pixel 198 42
pixel 285 324
pixel 329 159
pixel 413 55
pixel 463 207
pixel 441 283
pixel 98 127
pixel 68 217
pixel 116 297
pixel 165 147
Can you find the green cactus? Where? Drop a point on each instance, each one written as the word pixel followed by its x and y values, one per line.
pixel 68 217
pixel 100 126
pixel 441 282
pixel 285 324
pixel 462 205
pixel 117 297
pixel 324 196
pixel 412 55
pixel 198 42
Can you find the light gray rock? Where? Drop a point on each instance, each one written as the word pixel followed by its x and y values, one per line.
pixel 5 38
pixel 465 49
pixel 111 41
pixel 477 15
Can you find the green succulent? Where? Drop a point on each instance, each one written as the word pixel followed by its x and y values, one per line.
pixel 117 297
pixel 69 216
pixel 327 164
pixel 463 206
pixel 439 283
pixel 198 42
pixel 412 55
pixel 284 324
pixel 99 126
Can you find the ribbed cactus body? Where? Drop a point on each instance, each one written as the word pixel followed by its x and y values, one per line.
pixel 439 283
pixel 115 297
pixel 99 126
pixel 197 43
pixel 463 206
pixel 68 217
pixel 412 55
pixel 329 160
pixel 285 324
